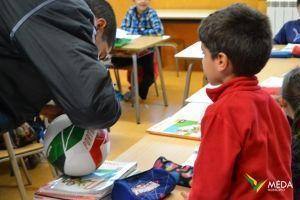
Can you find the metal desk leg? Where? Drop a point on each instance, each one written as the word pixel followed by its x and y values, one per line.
pixel 136 89
pixel 162 82
pixel 187 83
pixel 156 89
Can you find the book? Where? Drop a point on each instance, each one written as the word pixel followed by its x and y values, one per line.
pixel 123 38
pixel 94 186
pixel 120 42
pixel 122 34
pixel 183 124
pixel 180 128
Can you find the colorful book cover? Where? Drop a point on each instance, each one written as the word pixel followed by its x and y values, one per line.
pixel 174 127
pixel 183 127
pixel 183 124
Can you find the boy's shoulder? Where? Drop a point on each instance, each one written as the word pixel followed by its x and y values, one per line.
pixel 240 103
pixel 151 10
pixel 292 23
pixel 132 10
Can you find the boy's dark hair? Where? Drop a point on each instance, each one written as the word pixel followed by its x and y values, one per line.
pixel 291 88
pixel 102 9
pixel 240 32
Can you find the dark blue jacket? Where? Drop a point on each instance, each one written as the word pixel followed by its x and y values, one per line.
pixel 289 33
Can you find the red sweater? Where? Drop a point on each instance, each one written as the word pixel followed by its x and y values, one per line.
pixel 243 133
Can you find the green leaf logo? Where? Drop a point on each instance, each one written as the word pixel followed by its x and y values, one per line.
pixel 256 186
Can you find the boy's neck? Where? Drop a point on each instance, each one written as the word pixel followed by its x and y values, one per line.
pixel 228 78
pixel 140 11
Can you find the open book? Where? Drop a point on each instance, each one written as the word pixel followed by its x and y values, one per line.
pixel 183 124
pixel 94 186
pixel 123 38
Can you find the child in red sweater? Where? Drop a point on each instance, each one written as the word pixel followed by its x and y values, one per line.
pixel 245 150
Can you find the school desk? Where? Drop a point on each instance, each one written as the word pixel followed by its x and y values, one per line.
pixel 134 49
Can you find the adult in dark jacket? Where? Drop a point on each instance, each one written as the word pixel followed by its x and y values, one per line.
pixel 48 51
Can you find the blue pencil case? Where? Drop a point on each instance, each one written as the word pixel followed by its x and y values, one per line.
pixel 281 54
pixel 153 184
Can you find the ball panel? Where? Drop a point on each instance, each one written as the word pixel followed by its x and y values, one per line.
pixel 58 124
pixel 72 135
pixel 95 150
pixel 78 161
pixel 59 163
pixel 55 149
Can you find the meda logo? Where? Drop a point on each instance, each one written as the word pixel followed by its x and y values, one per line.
pixel 279 186
pixel 272 186
pixel 256 186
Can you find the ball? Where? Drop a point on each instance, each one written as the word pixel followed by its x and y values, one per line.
pixel 73 150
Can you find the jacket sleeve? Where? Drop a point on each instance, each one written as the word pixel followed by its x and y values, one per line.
pixel 214 165
pixel 59 42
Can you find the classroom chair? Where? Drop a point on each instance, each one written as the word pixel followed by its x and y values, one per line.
pixel 13 155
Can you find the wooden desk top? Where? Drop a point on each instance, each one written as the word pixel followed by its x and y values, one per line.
pixel 184 14
pixel 193 52
pixel 142 43
pixel 277 67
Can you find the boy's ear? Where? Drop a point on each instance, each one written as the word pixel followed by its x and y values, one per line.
pixel 222 62
pixel 101 23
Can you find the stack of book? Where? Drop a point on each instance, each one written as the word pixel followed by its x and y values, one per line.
pixel 94 186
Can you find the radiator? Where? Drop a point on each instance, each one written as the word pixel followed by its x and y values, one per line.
pixel 281 11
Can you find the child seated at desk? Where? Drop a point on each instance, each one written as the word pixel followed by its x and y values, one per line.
pixel 141 19
pixel 291 104
pixel 290 32
pixel 246 138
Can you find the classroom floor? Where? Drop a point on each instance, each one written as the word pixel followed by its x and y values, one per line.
pixel 124 133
